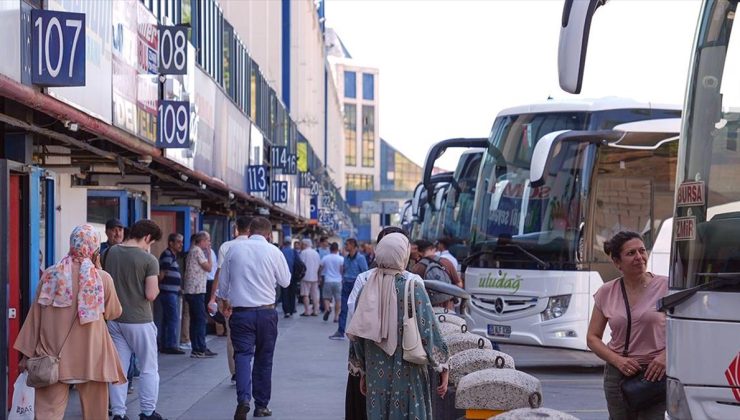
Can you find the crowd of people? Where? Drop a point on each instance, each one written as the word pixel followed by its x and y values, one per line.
pixel 94 313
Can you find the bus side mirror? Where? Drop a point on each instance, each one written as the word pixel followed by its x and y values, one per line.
pixel 574 30
pixel 541 156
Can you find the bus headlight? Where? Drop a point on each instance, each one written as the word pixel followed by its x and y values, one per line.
pixel 556 307
pixel 676 405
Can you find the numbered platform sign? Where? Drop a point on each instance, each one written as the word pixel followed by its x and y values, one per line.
pixel 173 121
pixel 292 167
pixel 314 211
pixel 279 192
pixel 173 50
pixel 57 48
pixel 257 178
pixel 279 158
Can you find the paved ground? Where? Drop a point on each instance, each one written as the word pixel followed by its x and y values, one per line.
pixel 309 377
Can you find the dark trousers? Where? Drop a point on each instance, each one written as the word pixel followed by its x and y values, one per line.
pixel 347 287
pixel 288 299
pixel 197 309
pixel 354 401
pixel 253 334
pixel 170 319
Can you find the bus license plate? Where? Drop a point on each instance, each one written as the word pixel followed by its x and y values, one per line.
pixel 499 330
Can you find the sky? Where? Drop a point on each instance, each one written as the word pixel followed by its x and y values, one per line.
pixel 448 67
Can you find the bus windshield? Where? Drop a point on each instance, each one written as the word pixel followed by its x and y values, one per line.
pixel 458 209
pixel 707 216
pixel 535 227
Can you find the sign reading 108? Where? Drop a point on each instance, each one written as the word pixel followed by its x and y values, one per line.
pixel 57 48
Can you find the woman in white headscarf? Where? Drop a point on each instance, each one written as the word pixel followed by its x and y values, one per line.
pixel 395 388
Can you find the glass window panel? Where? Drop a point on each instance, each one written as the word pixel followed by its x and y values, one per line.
pixel 368 136
pixel 368 86
pixel 102 209
pixel 350 134
pixel 350 84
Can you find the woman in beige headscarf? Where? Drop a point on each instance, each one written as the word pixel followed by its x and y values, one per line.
pixel 67 319
pixel 395 388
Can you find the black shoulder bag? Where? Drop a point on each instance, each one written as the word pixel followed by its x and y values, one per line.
pixel 638 392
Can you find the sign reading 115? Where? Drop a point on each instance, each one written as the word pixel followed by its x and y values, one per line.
pixel 257 178
pixel 57 48
pixel 280 192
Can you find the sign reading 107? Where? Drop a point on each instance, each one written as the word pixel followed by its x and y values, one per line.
pixel 174 125
pixel 257 178
pixel 57 48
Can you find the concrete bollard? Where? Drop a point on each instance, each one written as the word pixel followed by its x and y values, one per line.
pixel 451 319
pixel 472 360
pixel 534 413
pixel 449 329
pixel 490 392
pixel 466 341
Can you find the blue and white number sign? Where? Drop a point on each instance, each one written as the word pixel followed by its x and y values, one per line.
pixel 173 50
pixel 57 48
pixel 174 125
pixel 257 178
pixel 280 192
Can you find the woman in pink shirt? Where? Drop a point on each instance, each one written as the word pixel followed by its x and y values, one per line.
pixel 646 349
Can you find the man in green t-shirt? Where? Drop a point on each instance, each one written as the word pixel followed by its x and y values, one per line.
pixel 135 273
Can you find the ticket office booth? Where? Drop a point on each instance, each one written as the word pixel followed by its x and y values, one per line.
pixel 125 205
pixel 185 220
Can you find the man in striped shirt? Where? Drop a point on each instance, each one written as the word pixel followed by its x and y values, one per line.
pixel 170 283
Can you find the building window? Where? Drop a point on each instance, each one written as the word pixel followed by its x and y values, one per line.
pixel 350 84
pixel 368 86
pixel 368 136
pixel 350 134
pixel 228 59
pixel 406 175
pixel 360 182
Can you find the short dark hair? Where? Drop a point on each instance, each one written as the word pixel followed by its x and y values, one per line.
pixel 323 238
pixel 173 237
pixel 613 247
pixel 334 247
pixel 260 225
pixel 351 241
pixel 242 224
pixel 388 230
pixel 423 244
pixel 145 227
pixel 446 242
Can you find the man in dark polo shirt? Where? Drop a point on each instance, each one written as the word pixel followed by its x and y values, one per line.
pixel 170 284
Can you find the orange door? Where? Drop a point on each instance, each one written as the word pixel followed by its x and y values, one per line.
pixel 167 221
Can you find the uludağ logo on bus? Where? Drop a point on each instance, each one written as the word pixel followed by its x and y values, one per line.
pixel 733 376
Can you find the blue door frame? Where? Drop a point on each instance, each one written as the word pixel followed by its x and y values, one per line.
pixel 122 196
pixel 188 229
pixel 36 179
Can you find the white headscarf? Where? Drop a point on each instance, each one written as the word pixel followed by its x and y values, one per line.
pixel 376 315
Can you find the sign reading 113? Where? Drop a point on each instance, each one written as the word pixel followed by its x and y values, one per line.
pixel 57 48
pixel 257 178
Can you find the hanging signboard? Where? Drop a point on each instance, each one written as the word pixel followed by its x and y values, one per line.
pixel 57 48
pixel 302 151
pixel 305 179
pixel 292 167
pixel 174 125
pixel 257 178
pixel 314 214
pixel 279 193
pixel 279 157
pixel 173 50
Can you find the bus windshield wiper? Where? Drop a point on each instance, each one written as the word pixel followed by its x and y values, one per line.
pixel 721 280
pixel 506 244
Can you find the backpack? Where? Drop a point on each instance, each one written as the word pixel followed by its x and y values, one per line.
pixel 299 268
pixel 434 270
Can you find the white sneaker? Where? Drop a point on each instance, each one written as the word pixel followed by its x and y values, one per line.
pixel 185 346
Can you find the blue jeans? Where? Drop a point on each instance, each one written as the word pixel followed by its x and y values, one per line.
pixel 170 319
pixel 347 286
pixel 253 334
pixel 196 305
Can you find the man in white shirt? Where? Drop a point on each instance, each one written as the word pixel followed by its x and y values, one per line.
pixel 241 233
pixel 332 266
pixel 310 282
pixel 249 274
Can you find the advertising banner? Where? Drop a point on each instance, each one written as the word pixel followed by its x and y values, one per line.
pixel 204 122
pixel 95 97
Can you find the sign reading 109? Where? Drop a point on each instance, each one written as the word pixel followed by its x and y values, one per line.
pixel 174 125
pixel 57 48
